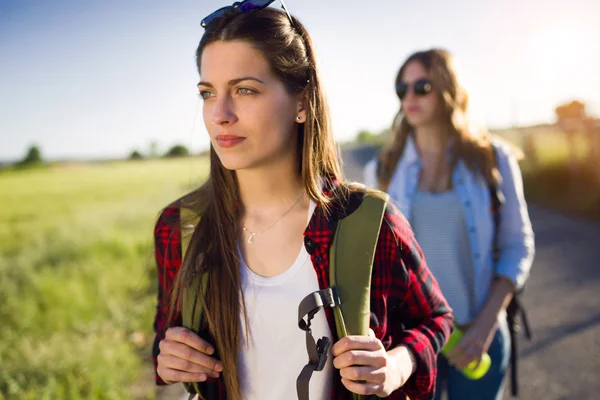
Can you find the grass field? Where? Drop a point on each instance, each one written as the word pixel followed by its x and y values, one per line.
pixel 77 278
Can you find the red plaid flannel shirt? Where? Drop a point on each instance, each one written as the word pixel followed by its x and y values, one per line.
pixel 405 298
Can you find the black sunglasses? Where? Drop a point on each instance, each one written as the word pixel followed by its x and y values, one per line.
pixel 242 7
pixel 420 88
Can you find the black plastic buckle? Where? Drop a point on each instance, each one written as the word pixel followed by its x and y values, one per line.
pixel 330 297
pixel 323 346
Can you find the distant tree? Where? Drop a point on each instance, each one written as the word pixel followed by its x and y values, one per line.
pixel 592 133
pixel 153 149
pixel 570 118
pixel 367 137
pixel 33 157
pixel 135 155
pixel 177 151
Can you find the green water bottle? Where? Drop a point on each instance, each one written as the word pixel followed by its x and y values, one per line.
pixel 469 371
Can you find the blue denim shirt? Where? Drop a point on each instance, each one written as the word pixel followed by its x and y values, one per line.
pixel 515 235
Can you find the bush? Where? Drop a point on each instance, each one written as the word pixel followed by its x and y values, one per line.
pixel 33 157
pixel 135 155
pixel 177 151
pixel 555 185
pixel 368 137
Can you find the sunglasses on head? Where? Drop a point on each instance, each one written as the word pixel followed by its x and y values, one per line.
pixel 420 88
pixel 242 7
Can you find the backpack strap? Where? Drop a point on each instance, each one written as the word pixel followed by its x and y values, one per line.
pixel 350 265
pixel 191 308
pixel 515 312
pixel 317 351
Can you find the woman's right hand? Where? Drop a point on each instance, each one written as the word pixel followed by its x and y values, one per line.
pixel 186 357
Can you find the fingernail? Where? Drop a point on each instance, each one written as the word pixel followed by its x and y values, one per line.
pixel 219 367
pixel 210 350
pixel 202 377
pixel 214 374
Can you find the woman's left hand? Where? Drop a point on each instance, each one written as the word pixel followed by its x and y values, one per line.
pixel 475 342
pixel 368 369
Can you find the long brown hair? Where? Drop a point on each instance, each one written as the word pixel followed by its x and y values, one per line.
pixel 212 249
pixel 472 145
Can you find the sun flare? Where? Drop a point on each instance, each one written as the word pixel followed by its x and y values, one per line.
pixel 559 50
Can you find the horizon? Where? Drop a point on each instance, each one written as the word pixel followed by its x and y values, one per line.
pixel 203 151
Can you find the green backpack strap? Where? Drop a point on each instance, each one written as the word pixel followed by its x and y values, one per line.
pixel 191 308
pixel 350 265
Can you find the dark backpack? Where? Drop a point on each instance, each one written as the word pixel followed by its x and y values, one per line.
pixel 515 312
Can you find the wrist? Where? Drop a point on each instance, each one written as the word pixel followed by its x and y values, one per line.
pixel 413 360
pixel 406 361
pixel 487 317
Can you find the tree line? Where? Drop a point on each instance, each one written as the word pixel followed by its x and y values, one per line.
pixel 33 155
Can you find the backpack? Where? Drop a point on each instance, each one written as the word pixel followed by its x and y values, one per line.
pixel 515 312
pixel 350 260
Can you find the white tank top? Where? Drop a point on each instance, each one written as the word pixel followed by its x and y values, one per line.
pixel 270 362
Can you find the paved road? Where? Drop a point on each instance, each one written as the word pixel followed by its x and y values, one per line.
pixel 563 300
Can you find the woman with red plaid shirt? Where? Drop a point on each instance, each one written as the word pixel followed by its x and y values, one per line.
pixel 269 210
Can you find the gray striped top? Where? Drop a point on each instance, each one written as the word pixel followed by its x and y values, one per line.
pixel 438 221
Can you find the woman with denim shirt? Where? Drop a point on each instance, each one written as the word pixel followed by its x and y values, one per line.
pixel 441 173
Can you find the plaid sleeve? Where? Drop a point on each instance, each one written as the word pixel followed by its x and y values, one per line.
pixel 419 316
pixel 168 260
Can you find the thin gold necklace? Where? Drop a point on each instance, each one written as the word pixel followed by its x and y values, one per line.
pixel 252 236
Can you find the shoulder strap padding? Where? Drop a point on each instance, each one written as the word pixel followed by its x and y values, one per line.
pixel 351 262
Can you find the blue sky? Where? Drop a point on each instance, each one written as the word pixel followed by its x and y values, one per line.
pixel 99 78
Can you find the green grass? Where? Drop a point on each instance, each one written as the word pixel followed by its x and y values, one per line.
pixel 77 278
